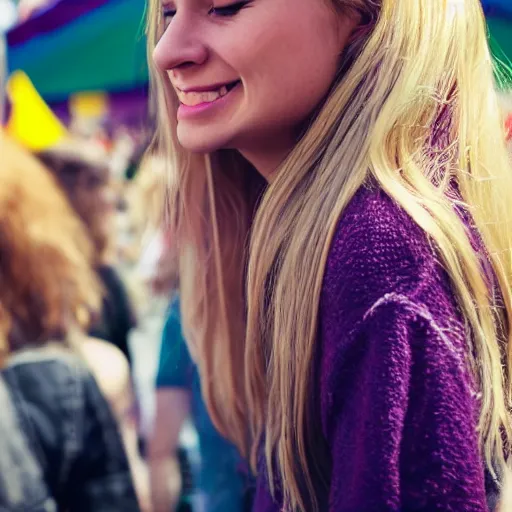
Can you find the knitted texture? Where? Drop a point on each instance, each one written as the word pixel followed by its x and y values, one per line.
pixel 399 409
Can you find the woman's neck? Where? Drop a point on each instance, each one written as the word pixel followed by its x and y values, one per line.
pixel 267 156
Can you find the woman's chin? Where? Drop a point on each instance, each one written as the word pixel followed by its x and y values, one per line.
pixel 198 140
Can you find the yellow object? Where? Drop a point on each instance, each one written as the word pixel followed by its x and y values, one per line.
pixel 32 123
pixel 89 104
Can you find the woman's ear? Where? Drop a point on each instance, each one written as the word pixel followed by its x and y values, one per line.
pixel 362 29
pixel 348 24
pixel 364 21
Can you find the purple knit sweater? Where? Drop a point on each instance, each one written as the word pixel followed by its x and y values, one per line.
pixel 398 407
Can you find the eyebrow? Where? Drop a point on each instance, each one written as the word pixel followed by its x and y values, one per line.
pixel 172 3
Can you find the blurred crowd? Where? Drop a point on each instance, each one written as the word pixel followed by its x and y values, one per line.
pixel 86 269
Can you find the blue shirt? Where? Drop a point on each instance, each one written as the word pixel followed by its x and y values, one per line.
pixel 220 477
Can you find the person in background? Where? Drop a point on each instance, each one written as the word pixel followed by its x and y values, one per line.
pixel 55 410
pixel 83 175
pixel 222 480
pixel 81 169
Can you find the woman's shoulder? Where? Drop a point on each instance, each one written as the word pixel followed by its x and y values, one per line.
pixel 47 363
pixel 55 375
pixel 375 230
pixel 377 249
pixel 54 380
pixel 109 366
pixel 49 387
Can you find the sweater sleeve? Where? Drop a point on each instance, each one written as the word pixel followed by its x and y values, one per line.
pixel 400 417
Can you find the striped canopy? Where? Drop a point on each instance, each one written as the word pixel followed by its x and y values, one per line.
pixel 82 45
pixel 78 45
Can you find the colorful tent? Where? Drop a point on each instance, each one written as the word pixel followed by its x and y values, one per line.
pixel 82 45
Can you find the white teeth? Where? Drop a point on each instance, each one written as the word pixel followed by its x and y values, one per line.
pixel 191 99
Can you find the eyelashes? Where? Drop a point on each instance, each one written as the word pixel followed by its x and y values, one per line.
pixel 225 11
pixel 168 13
pixel 229 10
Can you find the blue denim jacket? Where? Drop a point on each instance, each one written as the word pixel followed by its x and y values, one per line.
pixel 61 450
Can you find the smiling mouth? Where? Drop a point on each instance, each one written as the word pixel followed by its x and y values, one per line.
pixel 194 98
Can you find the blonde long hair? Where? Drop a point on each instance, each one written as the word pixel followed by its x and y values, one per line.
pixel 415 119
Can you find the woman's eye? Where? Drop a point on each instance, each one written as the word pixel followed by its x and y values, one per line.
pixel 229 10
pixel 168 14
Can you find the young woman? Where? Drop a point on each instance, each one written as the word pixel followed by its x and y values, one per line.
pixel 351 319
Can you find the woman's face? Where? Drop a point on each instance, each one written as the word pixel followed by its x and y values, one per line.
pixel 248 73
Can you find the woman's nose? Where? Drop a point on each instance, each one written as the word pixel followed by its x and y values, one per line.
pixel 180 45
